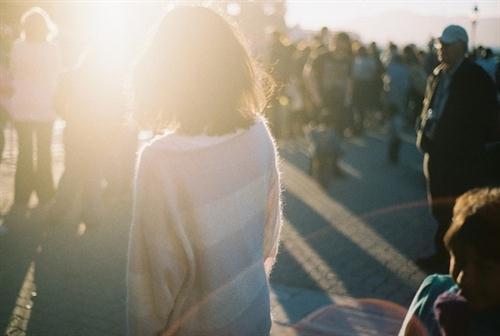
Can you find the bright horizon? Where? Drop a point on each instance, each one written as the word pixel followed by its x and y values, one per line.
pixel 350 15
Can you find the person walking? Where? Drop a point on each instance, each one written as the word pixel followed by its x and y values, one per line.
pixel 35 63
pixel 364 71
pixel 329 74
pixel 206 215
pixel 89 96
pixel 397 83
pixel 458 118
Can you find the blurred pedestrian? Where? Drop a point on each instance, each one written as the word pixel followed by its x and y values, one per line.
pixel 89 97
pixel 418 79
pixel 35 64
pixel 330 73
pixel 363 73
pixel 207 215
pixel 459 117
pixel 5 94
pixel 488 62
pixel 377 86
pixel 280 59
pixel 325 150
pixel 397 83
pixel 387 55
pixel 431 60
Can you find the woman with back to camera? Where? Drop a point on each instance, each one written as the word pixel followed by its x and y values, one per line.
pixel 207 215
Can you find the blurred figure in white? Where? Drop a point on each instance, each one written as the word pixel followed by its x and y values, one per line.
pixel 35 62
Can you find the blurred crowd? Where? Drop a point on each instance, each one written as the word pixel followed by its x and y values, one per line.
pixel 330 86
pixel 352 85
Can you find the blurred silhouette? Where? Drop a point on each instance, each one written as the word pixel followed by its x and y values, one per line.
pixel 325 150
pixel 391 51
pixel 207 213
pixel 300 102
pixel 89 100
pixel 35 63
pixel 377 86
pixel 330 79
pixel 418 80
pixel 431 58
pixel 280 59
pixel 364 73
pixel 397 88
pixel 488 62
pixel 5 94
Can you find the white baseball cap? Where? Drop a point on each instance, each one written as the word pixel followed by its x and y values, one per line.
pixel 454 34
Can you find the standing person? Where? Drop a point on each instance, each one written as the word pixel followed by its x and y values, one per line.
pixel 431 60
pixel 488 62
pixel 397 88
pixel 88 97
pixel 329 73
pixel 377 85
pixel 458 118
pixel 35 65
pixel 207 216
pixel 418 79
pixel 5 93
pixel 363 73
pixel 281 62
pixel 325 149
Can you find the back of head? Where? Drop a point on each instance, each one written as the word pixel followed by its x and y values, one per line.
pixel 198 74
pixel 362 51
pixel 476 223
pixel 342 43
pixel 37 25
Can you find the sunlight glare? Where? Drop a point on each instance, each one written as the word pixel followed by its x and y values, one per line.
pixel 115 28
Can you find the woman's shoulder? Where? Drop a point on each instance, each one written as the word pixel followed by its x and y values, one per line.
pixel 174 142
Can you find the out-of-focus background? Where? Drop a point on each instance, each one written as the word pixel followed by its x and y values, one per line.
pixel 354 235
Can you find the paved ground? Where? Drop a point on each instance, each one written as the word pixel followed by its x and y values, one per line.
pixel 356 239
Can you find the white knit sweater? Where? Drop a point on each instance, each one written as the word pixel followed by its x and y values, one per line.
pixel 207 217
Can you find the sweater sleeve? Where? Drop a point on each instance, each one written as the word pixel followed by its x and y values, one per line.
pixel 420 314
pixel 273 221
pixel 157 266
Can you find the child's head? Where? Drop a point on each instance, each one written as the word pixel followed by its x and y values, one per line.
pixel 473 241
pixel 198 76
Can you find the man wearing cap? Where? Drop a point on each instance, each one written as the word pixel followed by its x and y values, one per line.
pixel 458 118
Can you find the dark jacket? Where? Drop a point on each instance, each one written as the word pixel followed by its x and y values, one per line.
pixel 469 119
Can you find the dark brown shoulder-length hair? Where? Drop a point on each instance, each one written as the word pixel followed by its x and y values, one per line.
pixel 197 76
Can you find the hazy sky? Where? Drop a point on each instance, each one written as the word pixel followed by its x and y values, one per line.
pixel 338 13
